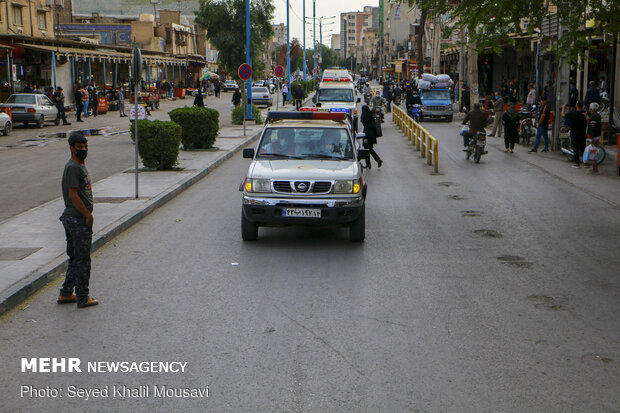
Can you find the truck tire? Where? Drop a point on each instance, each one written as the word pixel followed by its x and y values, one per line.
pixel 249 230
pixel 357 228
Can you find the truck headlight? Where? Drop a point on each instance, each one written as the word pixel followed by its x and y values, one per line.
pixel 348 187
pixel 343 187
pixel 257 185
pixel 261 185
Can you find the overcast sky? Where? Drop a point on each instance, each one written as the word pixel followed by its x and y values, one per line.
pixel 325 8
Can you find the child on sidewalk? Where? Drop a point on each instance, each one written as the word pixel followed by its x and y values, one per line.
pixel 590 156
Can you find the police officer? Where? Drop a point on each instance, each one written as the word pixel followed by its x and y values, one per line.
pixel 77 219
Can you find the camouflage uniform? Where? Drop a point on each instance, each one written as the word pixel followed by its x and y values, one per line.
pixel 79 237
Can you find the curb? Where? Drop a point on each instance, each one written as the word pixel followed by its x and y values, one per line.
pixel 21 290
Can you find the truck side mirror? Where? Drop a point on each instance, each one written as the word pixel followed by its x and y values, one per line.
pixel 248 153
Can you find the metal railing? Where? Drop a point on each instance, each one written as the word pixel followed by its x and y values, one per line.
pixel 423 141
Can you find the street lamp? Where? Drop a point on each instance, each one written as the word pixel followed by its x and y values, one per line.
pixel 154 3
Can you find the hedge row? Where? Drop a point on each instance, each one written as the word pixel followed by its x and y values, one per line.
pixel 308 86
pixel 237 115
pixel 159 141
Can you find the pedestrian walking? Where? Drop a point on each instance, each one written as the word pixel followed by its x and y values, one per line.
pixel 198 100
pixel 594 122
pixel 94 102
pixel 531 96
pixel 284 94
pixel 465 99
pixel 543 126
pixel 578 124
pixel 299 96
pixel 85 100
pixel 510 119
pixel 216 88
pixel 121 102
pixel 498 108
pixel 59 100
pixel 387 95
pixel 77 219
pixel 573 96
pixel 370 130
pixel 236 97
pixel 79 106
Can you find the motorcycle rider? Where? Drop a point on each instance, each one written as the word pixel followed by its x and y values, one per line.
pixel 376 103
pixel 477 123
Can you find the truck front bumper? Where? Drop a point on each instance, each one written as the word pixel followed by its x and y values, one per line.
pixel 268 211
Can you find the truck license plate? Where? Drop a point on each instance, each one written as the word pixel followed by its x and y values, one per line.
pixel 301 213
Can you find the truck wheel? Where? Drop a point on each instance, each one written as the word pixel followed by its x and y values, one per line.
pixel 357 229
pixel 249 230
pixel 7 129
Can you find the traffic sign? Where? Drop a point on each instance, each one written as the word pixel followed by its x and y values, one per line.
pixel 141 112
pixel 279 71
pixel 245 71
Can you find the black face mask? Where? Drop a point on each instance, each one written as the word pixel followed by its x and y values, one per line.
pixel 81 153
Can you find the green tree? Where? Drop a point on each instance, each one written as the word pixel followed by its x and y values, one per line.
pixel 224 22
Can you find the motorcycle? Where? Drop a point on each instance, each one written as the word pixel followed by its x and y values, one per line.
pixel 567 147
pixel 414 112
pixel 527 130
pixel 604 102
pixel 367 97
pixel 476 144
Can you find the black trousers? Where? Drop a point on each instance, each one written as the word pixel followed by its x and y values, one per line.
pixel 579 145
pixel 371 149
pixel 298 103
pixel 79 237
pixel 61 111
pixel 78 111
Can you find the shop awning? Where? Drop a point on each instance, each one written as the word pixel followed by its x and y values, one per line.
pixel 104 54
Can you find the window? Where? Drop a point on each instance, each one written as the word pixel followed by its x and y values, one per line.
pixel 42 21
pixel 17 15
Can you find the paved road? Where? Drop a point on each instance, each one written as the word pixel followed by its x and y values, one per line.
pixel 422 317
pixel 29 175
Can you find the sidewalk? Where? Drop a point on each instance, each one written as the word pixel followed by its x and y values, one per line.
pixel 32 244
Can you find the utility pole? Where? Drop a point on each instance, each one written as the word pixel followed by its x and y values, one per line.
pixel 314 33
pixel 436 46
pixel 288 51
pixel 248 57
pixel 304 20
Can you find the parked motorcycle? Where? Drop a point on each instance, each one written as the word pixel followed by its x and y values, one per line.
pixel 567 147
pixel 527 129
pixel 604 102
pixel 476 144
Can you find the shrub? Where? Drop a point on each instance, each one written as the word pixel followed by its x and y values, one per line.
pixel 158 143
pixel 199 126
pixel 237 115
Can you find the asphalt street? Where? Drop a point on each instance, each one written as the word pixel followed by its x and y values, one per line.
pixel 488 287
pixel 31 159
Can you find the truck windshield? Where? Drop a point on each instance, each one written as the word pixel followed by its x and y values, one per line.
pixel 436 94
pixel 335 95
pixel 305 143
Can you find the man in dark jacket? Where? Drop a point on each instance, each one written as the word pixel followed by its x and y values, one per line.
pixel 59 100
pixel 236 97
pixel 477 123
pixel 79 105
pixel 299 96
pixel 573 96
pixel 578 123
pixel 592 95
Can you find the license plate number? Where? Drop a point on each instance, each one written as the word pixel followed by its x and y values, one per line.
pixel 301 213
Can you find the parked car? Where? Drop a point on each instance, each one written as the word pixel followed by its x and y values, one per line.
pixel 260 96
pixel 30 107
pixel 230 85
pixel 5 123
